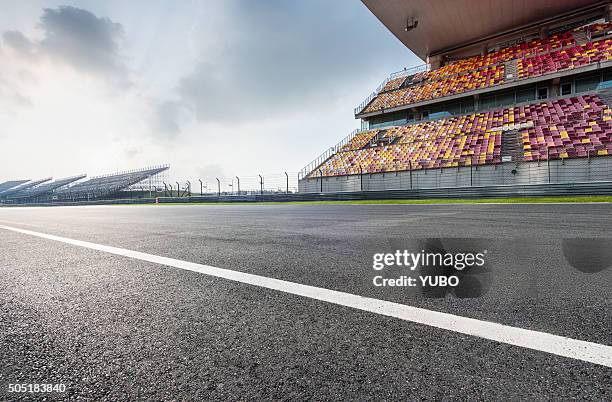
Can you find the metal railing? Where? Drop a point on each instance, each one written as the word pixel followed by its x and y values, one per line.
pixel 402 73
pixel 306 170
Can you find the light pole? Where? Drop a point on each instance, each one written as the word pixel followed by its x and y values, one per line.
pixel 287 176
pixel 261 182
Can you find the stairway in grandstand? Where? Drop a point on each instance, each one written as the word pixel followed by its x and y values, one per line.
pixel 580 37
pixel 606 96
pixel 512 146
pixel 511 70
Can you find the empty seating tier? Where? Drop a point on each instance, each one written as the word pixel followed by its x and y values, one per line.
pixel 566 128
pixel 572 57
pixel 393 84
pixel 523 49
pixel 359 140
pixel 434 89
pixel 533 58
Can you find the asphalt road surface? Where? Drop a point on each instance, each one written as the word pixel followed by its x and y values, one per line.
pixel 115 327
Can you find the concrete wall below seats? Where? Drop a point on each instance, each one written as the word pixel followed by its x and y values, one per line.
pixel 576 170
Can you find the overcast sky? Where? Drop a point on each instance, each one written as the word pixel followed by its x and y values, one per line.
pixel 213 88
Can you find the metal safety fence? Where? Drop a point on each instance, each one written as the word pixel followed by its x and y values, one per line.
pixel 271 183
pixel 546 171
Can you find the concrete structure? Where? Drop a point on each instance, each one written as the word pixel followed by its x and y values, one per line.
pixel 579 170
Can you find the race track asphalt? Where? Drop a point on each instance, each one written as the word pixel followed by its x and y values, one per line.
pixel 112 327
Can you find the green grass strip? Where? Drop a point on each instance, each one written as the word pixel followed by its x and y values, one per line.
pixel 512 200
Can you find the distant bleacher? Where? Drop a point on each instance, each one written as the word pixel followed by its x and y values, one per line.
pixel 73 188
pixel 7 185
pixel 22 187
pixel 102 186
pixel 45 189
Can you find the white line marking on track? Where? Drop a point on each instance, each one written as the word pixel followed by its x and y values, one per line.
pixel 541 341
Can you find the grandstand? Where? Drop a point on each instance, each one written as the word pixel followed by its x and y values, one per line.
pixel 111 185
pixel 7 185
pixel 507 93
pixel 133 183
pixel 45 191
pixel 23 187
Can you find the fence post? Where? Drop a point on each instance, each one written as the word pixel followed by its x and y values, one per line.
pixel 410 171
pixel 261 184
pixel 189 188
pixel 238 179
pixel 360 178
pixel 218 187
pixel 201 187
pixel 589 156
pixel 165 189
pixel 588 167
pixel 178 189
pixel 548 163
pixel 471 175
pixel 321 175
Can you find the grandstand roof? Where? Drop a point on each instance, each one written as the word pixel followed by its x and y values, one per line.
pixel 446 25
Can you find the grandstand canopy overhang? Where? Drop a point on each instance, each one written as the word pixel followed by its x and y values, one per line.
pixel 448 25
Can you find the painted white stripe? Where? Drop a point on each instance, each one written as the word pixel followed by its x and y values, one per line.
pixel 541 341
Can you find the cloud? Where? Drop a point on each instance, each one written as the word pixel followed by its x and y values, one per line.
pixel 215 88
pixel 167 118
pixel 18 41
pixel 211 171
pixel 275 58
pixel 81 38
pixel 77 38
pixel 12 78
